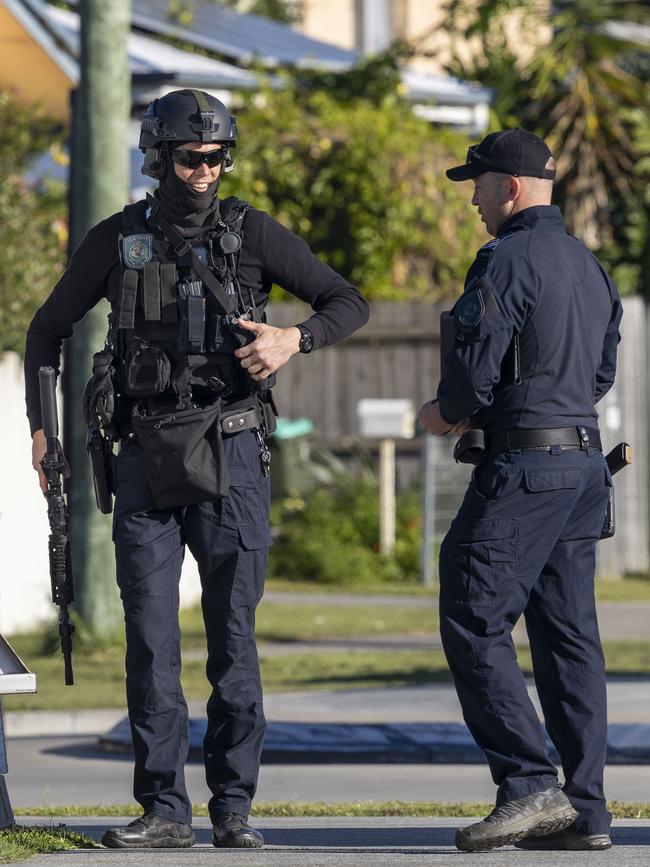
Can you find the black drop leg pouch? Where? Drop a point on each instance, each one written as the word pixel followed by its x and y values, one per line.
pixel 183 453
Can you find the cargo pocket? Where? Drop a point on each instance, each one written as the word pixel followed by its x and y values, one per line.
pixel 254 538
pixel 551 480
pixel 480 560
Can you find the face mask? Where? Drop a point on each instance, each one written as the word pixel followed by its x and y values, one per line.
pixel 189 211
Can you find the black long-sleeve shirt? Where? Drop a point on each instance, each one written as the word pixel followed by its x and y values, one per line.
pixel 270 254
pixel 537 283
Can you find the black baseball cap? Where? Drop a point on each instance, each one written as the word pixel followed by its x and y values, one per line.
pixel 512 151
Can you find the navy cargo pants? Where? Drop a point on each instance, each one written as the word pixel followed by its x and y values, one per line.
pixel 524 542
pixel 229 539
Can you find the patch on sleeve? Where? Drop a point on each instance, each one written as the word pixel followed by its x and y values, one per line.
pixel 470 309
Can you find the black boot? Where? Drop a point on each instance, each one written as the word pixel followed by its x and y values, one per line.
pixel 539 813
pixel 150 832
pixel 233 831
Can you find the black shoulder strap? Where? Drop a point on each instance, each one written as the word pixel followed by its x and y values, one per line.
pixel 134 219
pixel 232 212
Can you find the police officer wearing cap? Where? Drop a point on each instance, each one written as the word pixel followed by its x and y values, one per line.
pixel 186 371
pixel 536 334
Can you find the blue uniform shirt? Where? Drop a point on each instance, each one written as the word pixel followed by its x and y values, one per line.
pixel 536 331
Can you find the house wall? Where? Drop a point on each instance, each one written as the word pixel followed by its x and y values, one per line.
pixel 419 21
pixel 28 72
pixel 25 596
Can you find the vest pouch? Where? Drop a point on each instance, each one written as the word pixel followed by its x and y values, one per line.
pixel 191 317
pixel 147 370
pixel 220 336
pixel 183 454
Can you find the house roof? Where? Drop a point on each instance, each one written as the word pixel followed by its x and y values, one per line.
pixel 157 67
pixel 240 37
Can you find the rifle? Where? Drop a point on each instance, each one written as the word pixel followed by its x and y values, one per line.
pixel 57 513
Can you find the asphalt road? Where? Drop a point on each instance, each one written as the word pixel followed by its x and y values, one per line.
pixel 70 770
pixel 352 842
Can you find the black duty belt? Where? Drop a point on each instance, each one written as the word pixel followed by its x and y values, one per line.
pixel 565 437
pixel 235 421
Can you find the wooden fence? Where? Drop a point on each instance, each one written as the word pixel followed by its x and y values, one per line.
pixel 396 355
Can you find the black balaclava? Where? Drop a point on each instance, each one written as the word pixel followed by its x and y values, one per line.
pixel 188 211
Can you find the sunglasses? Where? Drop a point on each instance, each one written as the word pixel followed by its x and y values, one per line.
pixel 193 159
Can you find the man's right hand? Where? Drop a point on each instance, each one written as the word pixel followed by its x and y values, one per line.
pixel 39 447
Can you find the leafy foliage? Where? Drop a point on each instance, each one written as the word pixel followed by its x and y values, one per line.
pixel 34 220
pixel 285 11
pixel 585 90
pixel 334 539
pixel 361 179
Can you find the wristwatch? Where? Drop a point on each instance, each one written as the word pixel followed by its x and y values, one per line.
pixel 306 339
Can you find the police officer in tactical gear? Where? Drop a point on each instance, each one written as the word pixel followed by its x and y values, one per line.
pixel 183 386
pixel 536 334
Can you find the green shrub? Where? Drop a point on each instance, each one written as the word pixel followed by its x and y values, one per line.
pixel 333 538
pixel 362 179
pixel 34 220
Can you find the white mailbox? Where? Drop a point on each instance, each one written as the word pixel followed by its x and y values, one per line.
pixel 384 418
pixel 14 674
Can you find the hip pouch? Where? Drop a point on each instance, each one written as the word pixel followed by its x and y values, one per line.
pixel 183 454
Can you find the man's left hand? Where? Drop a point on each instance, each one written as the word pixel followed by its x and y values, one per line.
pixel 431 420
pixel 271 348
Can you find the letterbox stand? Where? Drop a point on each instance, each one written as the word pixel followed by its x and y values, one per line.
pixel 14 678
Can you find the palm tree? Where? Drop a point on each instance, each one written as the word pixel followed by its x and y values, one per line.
pixel 577 90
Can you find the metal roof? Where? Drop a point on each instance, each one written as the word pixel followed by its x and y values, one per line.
pixel 239 37
pixel 157 67
pixel 152 61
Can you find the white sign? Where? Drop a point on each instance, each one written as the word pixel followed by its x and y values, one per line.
pixel 386 418
pixel 14 675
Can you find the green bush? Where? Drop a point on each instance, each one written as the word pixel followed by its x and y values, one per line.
pixel 362 180
pixel 333 538
pixel 34 221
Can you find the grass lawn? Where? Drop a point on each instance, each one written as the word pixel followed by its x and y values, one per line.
pixel 21 842
pixel 607 590
pixel 281 622
pixel 619 809
pixel 99 675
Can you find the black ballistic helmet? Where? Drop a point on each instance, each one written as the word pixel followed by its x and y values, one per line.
pixel 183 116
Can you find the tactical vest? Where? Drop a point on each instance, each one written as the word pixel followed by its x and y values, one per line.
pixel 169 334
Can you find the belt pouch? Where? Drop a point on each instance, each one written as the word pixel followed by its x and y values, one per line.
pixel 183 454
pixel 470 448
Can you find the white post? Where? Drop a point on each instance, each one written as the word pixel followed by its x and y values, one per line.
pixel 387 497
pixel 428 566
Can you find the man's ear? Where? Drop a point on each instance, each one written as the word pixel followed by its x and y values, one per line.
pixel 514 189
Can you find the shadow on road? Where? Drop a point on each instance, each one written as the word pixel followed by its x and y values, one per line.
pixel 358 838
